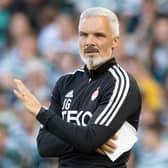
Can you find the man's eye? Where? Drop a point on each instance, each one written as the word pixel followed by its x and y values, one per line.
pixel 83 34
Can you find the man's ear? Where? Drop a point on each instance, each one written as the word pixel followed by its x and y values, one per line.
pixel 115 41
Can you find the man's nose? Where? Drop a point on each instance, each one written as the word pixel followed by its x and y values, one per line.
pixel 90 40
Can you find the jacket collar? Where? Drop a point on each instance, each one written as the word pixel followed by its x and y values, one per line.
pixel 100 70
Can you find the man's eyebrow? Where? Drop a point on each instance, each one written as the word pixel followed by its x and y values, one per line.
pixel 95 33
pixel 81 32
pixel 100 34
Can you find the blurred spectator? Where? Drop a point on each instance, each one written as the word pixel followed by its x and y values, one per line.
pixel 159 49
pixel 23 52
pixel 19 27
pixel 125 7
pixel 4 22
pixel 120 52
pixel 151 150
pixel 163 6
pixel 48 14
pixel 64 5
pixel 149 11
pixel 37 81
pixel 31 8
pixel 140 39
pixel 68 63
pixel 86 4
pixel 164 116
pixel 7 114
pixel 165 87
pixel 58 38
pixel 25 132
pixel 150 88
pixel 47 38
pixel 67 41
pixel 9 156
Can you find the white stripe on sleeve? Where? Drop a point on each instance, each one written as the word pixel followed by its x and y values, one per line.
pixel 118 96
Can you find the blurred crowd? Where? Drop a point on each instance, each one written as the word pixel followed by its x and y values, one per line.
pixel 39 42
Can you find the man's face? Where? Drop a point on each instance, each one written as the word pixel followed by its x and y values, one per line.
pixel 96 40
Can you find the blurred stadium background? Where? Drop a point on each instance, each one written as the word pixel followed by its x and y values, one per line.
pixel 38 43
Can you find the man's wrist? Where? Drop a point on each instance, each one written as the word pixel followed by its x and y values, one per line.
pixel 44 115
pixel 42 110
pixel 37 110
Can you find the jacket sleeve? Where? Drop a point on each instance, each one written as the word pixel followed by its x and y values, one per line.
pixel 48 144
pixel 115 108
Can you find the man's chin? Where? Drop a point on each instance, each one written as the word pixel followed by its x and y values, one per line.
pixel 92 64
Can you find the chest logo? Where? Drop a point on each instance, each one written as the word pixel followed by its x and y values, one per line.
pixel 69 94
pixel 95 94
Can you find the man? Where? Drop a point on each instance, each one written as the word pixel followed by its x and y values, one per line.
pixel 90 105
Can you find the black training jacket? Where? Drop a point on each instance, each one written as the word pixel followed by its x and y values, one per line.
pixel 87 108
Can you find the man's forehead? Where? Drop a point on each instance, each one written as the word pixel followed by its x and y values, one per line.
pixel 93 23
pixel 100 19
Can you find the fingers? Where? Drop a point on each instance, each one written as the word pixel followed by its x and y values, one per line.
pixel 99 150
pixel 114 137
pixel 20 86
pixel 111 144
pixel 22 92
pixel 107 148
pixel 18 94
pixel 30 102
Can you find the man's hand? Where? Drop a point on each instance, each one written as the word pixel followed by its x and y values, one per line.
pixel 109 146
pixel 27 98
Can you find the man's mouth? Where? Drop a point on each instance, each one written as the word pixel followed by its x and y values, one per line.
pixel 93 50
